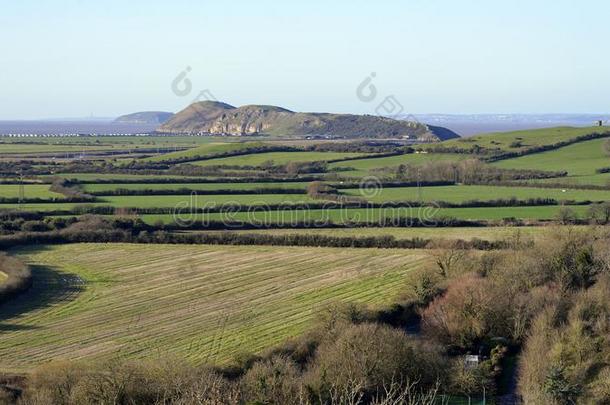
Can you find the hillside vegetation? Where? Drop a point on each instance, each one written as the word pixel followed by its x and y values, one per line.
pixel 580 160
pixel 516 141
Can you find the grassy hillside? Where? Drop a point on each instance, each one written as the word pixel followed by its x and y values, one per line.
pixel 363 167
pixel 204 303
pixel 580 160
pixel 519 140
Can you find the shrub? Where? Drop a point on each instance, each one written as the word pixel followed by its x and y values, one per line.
pixel 275 381
pixel 600 213
pixel 566 216
pixel 367 357
pixel 566 352
pixel 18 277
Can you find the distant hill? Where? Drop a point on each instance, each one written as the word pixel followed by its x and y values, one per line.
pixel 145 117
pixel 216 118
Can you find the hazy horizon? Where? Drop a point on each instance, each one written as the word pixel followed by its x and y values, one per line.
pixel 464 125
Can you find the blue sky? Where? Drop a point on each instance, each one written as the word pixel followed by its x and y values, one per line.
pixel 68 58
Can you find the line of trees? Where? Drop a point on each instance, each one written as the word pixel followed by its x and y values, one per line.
pixel 469 171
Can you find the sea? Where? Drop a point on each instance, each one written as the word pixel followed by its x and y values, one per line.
pixel 80 127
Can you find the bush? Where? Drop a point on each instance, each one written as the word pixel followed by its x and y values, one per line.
pixel 600 213
pixel 566 216
pixel 275 381
pixel 367 357
pixel 18 277
pixel 566 352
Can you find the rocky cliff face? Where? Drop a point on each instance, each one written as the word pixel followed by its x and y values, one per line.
pixel 215 118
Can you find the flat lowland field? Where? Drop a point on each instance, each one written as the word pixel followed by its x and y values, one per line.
pixel 172 201
pixel 29 191
pixel 206 303
pixel 278 158
pixel 601 179
pixel 207 149
pixel 193 186
pixel 116 177
pixel 430 215
pixel 462 193
pixel 13 148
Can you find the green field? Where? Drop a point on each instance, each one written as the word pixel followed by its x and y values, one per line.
pixel 193 186
pixel 207 149
pixel 278 158
pixel 347 215
pixel 204 303
pixel 580 160
pixel 29 191
pixel 202 200
pixel 363 167
pixel 528 138
pixel 462 193
pixel 601 179
pixel 172 201
pixel 114 176
pixel 14 148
